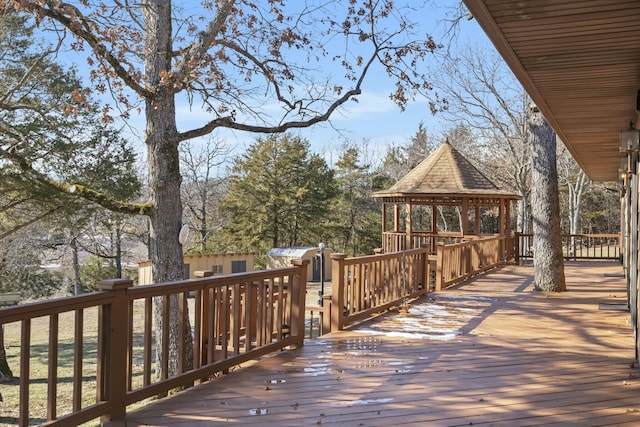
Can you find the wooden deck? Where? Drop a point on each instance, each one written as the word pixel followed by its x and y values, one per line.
pixel 489 352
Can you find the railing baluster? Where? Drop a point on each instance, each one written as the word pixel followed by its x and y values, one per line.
pixel 236 317
pixel 148 325
pixel 199 328
pixel 77 359
pixel 130 346
pixel 182 324
pixel 280 312
pixel 358 281
pixel 249 315
pixel 270 311
pixel 214 314
pixel 25 357
pixel 166 314
pixel 225 329
pixel 52 377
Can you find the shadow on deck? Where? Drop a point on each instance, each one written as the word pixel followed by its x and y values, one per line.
pixel 488 352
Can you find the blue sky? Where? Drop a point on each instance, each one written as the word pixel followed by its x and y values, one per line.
pixel 375 117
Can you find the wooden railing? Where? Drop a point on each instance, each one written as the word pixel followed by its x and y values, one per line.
pixel 395 241
pixel 236 318
pixel 577 246
pixel 367 285
pixel 460 261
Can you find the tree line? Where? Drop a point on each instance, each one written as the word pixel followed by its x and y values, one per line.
pixel 277 193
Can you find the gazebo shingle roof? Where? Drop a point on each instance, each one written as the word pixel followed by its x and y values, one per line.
pixel 445 171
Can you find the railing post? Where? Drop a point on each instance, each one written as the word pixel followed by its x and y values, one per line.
pixel 439 262
pixel 298 300
pixel 337 291
pixel 424 267
pixel 201 311
pixel 517 248
pixel 326 315
pixel 113 348
pixel 467 252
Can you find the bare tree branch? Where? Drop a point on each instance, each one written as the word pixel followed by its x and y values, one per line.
pixel 228 121
pixel 204 42
pixel 72 18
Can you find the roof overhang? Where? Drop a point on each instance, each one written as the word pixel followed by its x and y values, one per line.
pixel 579 60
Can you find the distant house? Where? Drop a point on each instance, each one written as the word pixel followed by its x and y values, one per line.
pixel 218 263
pixel 282 257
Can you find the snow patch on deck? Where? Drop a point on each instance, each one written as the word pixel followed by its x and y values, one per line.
pixel 441 317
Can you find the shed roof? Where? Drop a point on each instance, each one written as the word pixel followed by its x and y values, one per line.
pixel 293 251
pixel 445 171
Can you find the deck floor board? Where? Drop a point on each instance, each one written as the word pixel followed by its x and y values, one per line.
pixel 499 354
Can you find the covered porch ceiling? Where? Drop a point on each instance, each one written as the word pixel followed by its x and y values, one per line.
pixel 579 60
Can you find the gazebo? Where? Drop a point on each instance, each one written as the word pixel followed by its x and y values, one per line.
pixel 445 183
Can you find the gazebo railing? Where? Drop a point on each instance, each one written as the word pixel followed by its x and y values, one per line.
pixel 395 241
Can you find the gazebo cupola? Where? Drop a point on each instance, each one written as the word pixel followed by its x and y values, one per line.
pixel 415 209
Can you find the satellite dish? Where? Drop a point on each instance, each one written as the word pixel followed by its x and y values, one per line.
pixel 184 234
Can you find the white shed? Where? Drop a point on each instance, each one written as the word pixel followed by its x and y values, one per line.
pixel 282 257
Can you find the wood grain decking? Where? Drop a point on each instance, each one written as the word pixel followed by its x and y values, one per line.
pixel 489 352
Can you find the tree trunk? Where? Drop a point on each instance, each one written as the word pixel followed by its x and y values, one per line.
pixel 5 370
pixel 460 226
pixel 576 192
pixel 77 281
pixel 118 248
pixel 522 215
pixel 575 206
pixel 445 226
pixel 545 204
pixel 164 184
pixel 204 229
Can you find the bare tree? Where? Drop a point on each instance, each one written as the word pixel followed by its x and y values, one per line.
pixel 262 67
pixel 485 97
pixel 547 238
pixel 203 186
pixel 573 177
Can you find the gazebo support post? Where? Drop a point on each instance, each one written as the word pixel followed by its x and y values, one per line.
pixel 434 227
pixel 465 216
pixel 396 218
pixel 501 227
pixel 507 229
pixel 409 237
pixel 384 218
